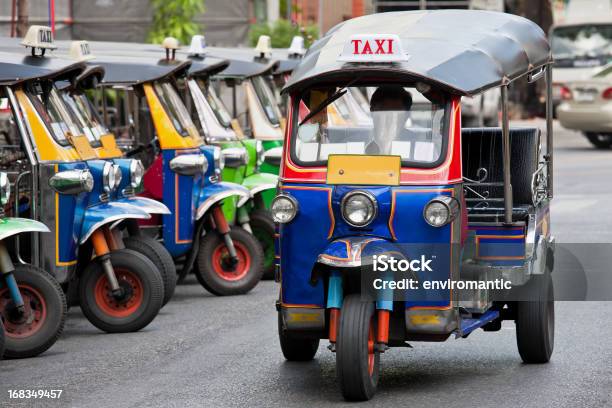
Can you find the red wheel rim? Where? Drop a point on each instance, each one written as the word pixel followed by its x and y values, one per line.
pixel 33 318
pixel 124 307
pixel 220 263
pixel 371 343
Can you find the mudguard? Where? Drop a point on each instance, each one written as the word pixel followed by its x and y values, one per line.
pixel 105 213
pixel 217 192
pixel 13 226
pixel 146 204
pixel 347 252
pixel 257 183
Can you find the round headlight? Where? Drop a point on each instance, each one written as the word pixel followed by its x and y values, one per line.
pixel 359 208
pixel 440 211
pixel 136 173
pixel 219 158
pixel 283 208
pixel 118 176
pixel 259 150
pixel 108 177
pixel 5 189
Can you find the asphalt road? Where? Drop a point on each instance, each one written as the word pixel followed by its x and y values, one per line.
pixel 206 351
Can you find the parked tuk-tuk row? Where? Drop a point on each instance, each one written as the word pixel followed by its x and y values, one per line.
pixel 128 173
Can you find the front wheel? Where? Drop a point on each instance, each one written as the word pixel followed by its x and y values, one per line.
pixel 535 322
pixel 600 140
pixel 215 269
pixel 357 359
pixel 32 331
pixel 140 302
pixel 296 349
pixel 156 252
pixel 262 224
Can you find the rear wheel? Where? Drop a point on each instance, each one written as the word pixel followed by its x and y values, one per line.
pixel 262 224
pixel 142 297
pixel 33 331
pixel 215 270
pixel 159 255
pixel 600 140
pixel 535 322
pixel 296 349
pixel 357 360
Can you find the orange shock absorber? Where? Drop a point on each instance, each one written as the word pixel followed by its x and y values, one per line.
pixel 98 239
pixel 101 248
pixel 334 321
pixel 220 221
pixel 110 238
pixel 383 327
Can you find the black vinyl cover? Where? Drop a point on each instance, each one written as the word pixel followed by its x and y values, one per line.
pixel 19 66
pixel 465 51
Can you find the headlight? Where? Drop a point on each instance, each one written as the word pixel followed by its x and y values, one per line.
pixel 189 164
pixel 72 182
pixel 359 208
pixel 235 157
pixel 136 173
pixel 108 177
pixel 259 150
pixel 219 158
pixel 118 176
pixel 440 211
pixel 5 189
pixel 283 208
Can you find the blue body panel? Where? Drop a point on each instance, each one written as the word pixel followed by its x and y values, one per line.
pixel 104 213
pixel 319 223
pixel 500 245
pixel 70 212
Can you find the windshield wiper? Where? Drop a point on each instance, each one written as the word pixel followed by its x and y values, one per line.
pixel 336 95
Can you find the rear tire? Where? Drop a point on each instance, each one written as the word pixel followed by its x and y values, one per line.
pixel 357 360
pixel 46 313
pixel 262 224
pixel 138 276
pixel 600 140
pixel 296 349
pixel 213 272
pixel 159 255
pixel 535 322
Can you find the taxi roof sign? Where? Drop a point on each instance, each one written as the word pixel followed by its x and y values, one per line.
pixel 40 37
pixel 373 48
pixel 297 46
pixel 80 51
pixel 264 47
pixel 198 45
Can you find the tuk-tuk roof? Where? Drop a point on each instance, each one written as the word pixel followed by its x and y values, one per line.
pixel 241 63
pixel 464 51
pixel 206 66
pixel 287 66
pixel 20 67
pixel 123 70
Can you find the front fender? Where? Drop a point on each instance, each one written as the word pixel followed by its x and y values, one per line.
pixel 146 204
pixel 258 182
pixel 346 252
pixel 13 226
pixel 105 213
pixel 217 192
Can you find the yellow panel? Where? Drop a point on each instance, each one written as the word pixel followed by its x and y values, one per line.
pixel 48 149
pixel 424 319
pixel 109 147
pixel 363 170
pixel 83 148
pixel 169 137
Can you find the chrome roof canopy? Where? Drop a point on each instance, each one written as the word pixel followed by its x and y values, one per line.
pixel 464 51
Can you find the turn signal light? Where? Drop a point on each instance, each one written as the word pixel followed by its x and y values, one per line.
pixel 607 94
pixel 566 94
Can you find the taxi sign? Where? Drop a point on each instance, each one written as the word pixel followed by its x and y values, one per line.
pixel 80 51
pixel 373 48
pixel 40 37
pixel 263 47
pixel 297 46
pixel 198 45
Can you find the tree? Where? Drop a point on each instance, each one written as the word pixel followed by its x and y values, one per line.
pixel 175 18
pixel 282 32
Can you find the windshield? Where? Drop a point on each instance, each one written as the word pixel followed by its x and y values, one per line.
pixel 416 132
pixel 266 99
pixel 218 108
pixel 583 45
pixel 54 113
pixel 210 112
pixel 174 107
pixel 86 117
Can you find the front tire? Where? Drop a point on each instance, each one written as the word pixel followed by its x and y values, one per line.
pixel 535 322
pixel 296 349
pixel 143 287
pixel 600 140
pixel 357 360
pixel 213 271
pixel 159 255
pixel 32 333
pixel 262 224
